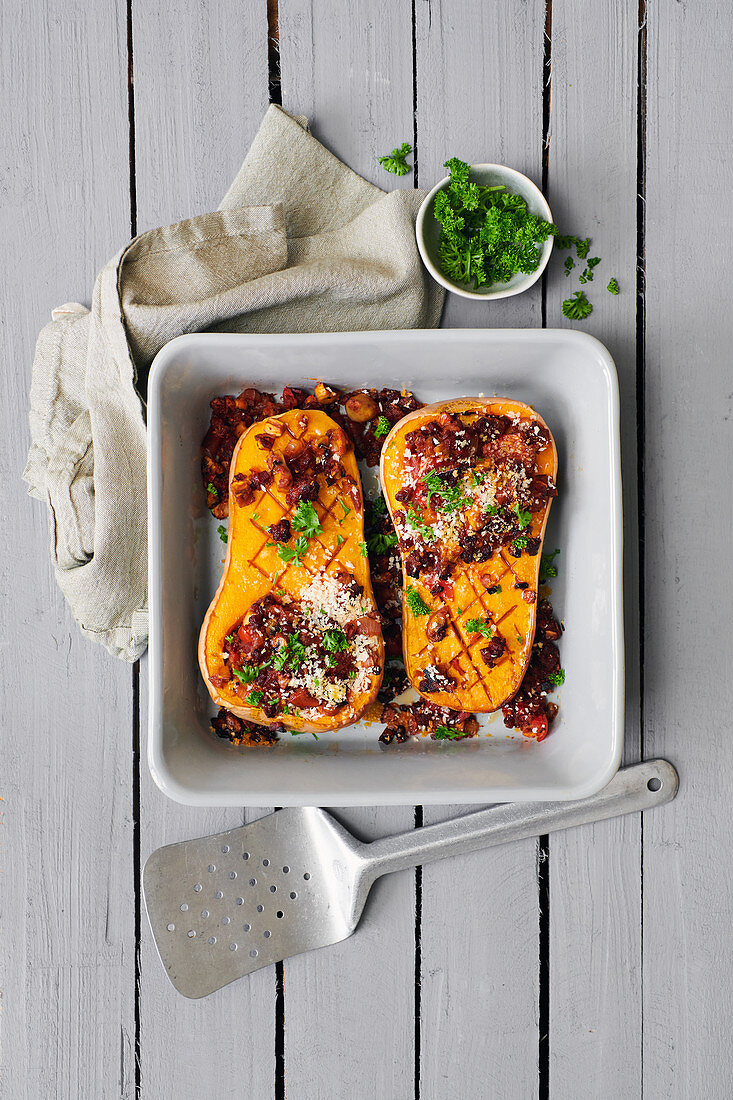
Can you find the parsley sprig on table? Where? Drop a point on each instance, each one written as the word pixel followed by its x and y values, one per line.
pixel 394 162
pixel 577 307
pixel 487 234
pixel 547 567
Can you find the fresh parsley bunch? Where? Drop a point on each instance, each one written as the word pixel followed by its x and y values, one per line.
pixel 487 234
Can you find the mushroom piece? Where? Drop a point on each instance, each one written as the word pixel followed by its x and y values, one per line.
pixel 324 394
pixel 361 407
pixel 436 627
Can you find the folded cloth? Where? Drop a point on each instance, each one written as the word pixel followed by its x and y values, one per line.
pixel 300 243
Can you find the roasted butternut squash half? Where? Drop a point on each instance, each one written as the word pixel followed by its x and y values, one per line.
pixel 468 484
pixel 292 637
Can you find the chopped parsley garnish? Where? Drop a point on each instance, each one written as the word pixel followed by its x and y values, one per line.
pixel 520 638
pixel 335 641
pixel 582 244
pixel 447 733
pixel 523 518
pixel 557 677
pixel 248 674
pixel 613 287
pixel 577 307
pixel 452 496
pixel 518 545
pixel 480 626
pixel 394 162
pixel 340 540
pixel 487 234
pixel 211 488
pixel 415 602
pixel 294 552
pixel 255 698
pixel 547 569
pixel 362 549
pixel 418 524
pixel 229 638
pixel 305 519
pixel 383 427
pixel 346 510
pixel 255 516
pixel 222 532
pixel 379 506
pixel 291 655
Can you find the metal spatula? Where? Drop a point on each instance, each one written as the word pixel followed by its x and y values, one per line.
pixel 223 906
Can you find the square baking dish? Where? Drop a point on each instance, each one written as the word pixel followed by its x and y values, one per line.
pixel 570 379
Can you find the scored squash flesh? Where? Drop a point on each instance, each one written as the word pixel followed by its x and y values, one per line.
pixel 292 636
pixel 468 484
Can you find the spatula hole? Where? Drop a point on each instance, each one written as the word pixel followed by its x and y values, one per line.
pixel 306 876
pixel 267 935
pixel 253 882
pixel 225 848
pixel 245 855
pixel 654 784
pixel 247 927
pixel 232 947
pixel 293 895
pixel 198 888
pixel 286 870
pixel 260 908
pixel 240 901
pixel 184 907
pixel 171 927
pixel 253 953
pixel 232 874
pixel 279 914
pixel 190 933
pixel 265 863
pixel 273 889
pixel 212 939
pixel 226 920
pixel 219 894
pixel 212 867
pixel 204 913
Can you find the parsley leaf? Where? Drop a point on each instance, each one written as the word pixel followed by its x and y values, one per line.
pixel 557 677
pixel 394 162
pixel 523 518
pixel 547 569
pixel 380 544
pixel 222 532
pixel 292 553
pixel 613 287
pixel 379 506
pixel 305 519
pixel 415 520
pixel 447 733
pixel 577 307
pixel 569 265
pixel 211 488
pixel 249 673
pixel 362 549
pixel 255 698
pixel 518 545
pixel 335 641
pixel 452 496
pixel 415 602
pixel 346 510
pixel 480 626
pixel 383 427
pixel 291 655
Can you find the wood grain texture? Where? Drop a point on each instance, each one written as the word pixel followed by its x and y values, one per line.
pixel 479 97
pixel 350 1009
pixel 200 74
pixel 688 883
pixel 595 872
pixel 67 900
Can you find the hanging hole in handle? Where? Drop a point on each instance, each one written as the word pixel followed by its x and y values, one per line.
pixel 654 784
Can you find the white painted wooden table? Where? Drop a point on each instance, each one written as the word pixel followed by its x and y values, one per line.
pixel 595 965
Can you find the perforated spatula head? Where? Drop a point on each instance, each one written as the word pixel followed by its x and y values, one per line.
pixel 225 905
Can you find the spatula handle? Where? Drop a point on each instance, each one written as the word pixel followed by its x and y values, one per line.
pixel 639 787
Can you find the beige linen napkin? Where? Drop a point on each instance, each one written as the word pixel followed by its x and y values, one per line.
pixel 299 244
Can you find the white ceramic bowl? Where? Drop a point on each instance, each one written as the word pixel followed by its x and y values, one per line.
pixel 427 231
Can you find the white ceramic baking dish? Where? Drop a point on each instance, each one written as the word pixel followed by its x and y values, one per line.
pixel 570 379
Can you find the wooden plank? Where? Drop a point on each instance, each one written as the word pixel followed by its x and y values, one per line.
pixel 595 872
pixel 195 116
pixel 350 70
pixel 688 886
pixel 479 97
pixel 67 900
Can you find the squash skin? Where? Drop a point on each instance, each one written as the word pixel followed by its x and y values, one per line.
pixel 478 688
pixel 250 567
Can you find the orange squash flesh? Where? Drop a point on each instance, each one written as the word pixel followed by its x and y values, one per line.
pixel 505 614
pixel 254 569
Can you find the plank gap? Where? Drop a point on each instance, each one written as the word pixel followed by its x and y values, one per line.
pixel 279 1032
pixel 414 100
pixel 274 84
pixel 641 103
pixel 136 858
pixel 543 883
pixel 418 958
pixel 546 108
pixel 131 124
